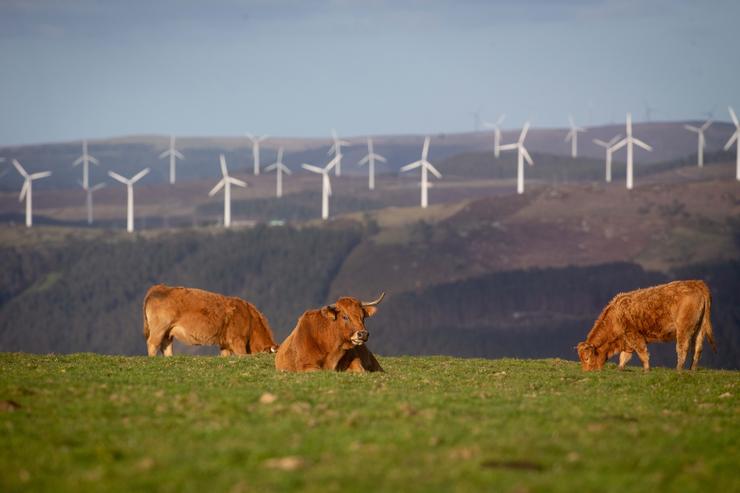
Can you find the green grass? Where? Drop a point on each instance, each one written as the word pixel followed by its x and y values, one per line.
pixel 101 423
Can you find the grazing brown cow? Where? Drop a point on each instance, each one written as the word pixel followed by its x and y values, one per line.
pixel 330 338
pixel 202 318
pixel 678 311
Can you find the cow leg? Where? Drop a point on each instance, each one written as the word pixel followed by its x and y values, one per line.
pixel 642 353
pixel 697 350
pixel 239 349
pixel 167 347
pixel 152 349
pixel 682 351
pixel 624 358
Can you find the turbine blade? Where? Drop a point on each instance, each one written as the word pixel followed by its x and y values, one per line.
pixel 619 144
pixel 364 160
pixel 614 139
pixel 733 116
pixel 178 155
pixel 425 149
pixel 411 166
pixel 600 142
pixel 431 168
pixel 271 167
pixel 237 181
pixel 98 186
pixel 692 128
pixel 20 168
pixel 285 169
pixel 523 135
pixel 642 144
pixel 224 169
pixel 732 139
pixel 41 174
pixel 311 167
pixel 380 158
pixel 138 176
pixel 218 187
pixel 78 161
pixel 24 189
pixel 508 147
pixel 526 155
pixel 93 160
pixel 333 162
pixel 118 177
pixel 164 154
pixel 706 125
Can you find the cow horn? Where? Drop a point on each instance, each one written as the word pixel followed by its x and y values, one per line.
pixel 373 303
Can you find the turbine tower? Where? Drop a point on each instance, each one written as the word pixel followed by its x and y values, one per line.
pixel 522 154
pixel 129 182
pixel 226 183
pixel 370 160
pixel 85 160
pixel 89 202
pixel 609 147
pixel 28 188
pixel 174 155
pixel 326 183
pixel 496 134
pixel 280 168
pixel 425 167
pixel 256 150
pixel 572 136
pixel 628 141
pixel 336 149
pixel 702 142
pixel 736 139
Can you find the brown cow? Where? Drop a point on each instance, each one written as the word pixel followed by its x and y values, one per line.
pixel 198 317
pixel 330 338
pixel 678 311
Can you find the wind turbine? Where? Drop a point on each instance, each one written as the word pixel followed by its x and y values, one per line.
pixel 572 136
pixel 129 182
pixel 280 168
pixel 256 150
pixel 88 202
pixel 608 146
pixel 27 189
pixel 702 141
pixel 174 155
pixel 85 160
pixel 226 183
pixel 370 160
pixel 336 148
pixel 736 139
pixel 326 184
pixel 522 154
pixel 425 167
pixel 629 141
pixel 496 134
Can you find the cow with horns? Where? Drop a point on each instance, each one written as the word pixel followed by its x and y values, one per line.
pixel 331 338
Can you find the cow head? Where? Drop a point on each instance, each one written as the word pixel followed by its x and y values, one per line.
pixel 348 315
pixel 591 358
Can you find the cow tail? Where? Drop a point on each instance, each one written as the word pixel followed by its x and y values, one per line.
pixel 706 322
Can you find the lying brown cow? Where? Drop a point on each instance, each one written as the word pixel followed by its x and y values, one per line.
pixel 330 338
pixel 202 318
pixel 678 311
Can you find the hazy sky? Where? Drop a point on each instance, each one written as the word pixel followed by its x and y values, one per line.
pixel 89 68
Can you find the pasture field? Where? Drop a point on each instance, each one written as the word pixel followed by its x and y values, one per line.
pixel 86 422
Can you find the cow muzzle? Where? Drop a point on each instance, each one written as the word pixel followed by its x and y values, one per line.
pixel 360 337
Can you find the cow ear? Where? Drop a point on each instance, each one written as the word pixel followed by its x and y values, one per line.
pixel 329 312
pixel 369 310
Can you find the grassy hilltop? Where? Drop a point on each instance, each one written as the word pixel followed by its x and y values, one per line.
pixel 100 423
